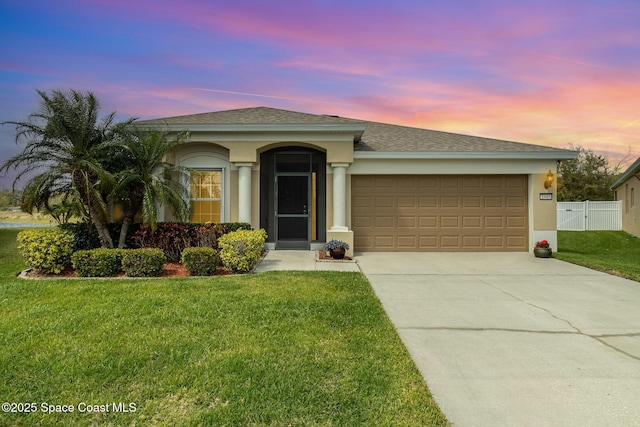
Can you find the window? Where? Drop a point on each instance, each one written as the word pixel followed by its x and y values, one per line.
pixel 632 198
pixel 206 196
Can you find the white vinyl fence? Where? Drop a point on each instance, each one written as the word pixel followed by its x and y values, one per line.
pixel 580 216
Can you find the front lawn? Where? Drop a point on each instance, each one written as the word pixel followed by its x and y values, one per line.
pixel 613 252
pixel 279 348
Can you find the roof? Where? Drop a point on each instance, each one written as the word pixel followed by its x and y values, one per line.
pixel 377 137
pixel 632 170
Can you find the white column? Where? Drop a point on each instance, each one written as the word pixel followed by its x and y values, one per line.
pixel 244 192
pixel 339 196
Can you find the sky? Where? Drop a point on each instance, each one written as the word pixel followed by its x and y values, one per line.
pixel 552 73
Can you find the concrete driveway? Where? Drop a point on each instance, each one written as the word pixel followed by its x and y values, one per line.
pixel 510 339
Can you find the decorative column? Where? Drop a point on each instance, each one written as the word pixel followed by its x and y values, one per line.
pixel 244 192
pixel 339 196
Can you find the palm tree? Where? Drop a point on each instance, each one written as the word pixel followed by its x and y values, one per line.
pixel 148 181
pixel 66 142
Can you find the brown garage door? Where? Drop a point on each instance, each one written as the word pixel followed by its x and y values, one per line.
pixel 439 212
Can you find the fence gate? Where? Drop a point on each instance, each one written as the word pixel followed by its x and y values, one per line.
pixel 580 216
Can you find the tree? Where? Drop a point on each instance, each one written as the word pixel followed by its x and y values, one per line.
pixel 587 177
pixel 147 181
pixel 65 145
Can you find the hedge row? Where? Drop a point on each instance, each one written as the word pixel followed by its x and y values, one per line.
pixel 103 262
pixel 50 251
pixel 171 237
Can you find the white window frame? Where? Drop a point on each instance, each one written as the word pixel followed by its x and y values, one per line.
pixel 222 189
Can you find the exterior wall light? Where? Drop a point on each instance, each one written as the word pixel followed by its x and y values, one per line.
pixel 548 182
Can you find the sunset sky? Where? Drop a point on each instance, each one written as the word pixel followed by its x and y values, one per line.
pixel 544 72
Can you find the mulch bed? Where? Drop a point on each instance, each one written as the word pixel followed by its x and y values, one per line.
pixel 171 269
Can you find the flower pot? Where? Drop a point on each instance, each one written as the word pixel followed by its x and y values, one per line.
pixel 337 253
pixel 542 252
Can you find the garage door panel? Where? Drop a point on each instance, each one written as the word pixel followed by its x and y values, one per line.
pixel 383 221
pixel 472 242
pixel 516 202
pixel 383 202
pixel 362 222
pixel 495 202
pixel 449 222
pixel 494 242
pixel 471 202
pixel 406 202
pixel 428 242
pixel 450 242
pixel 447 202
pixel 407 222
pixel 362 202
pixel 427 202
pixel 472 222
pixel 516 241
pixel 407 242
pixel 431 212
pixel 384 242
pixel 427 222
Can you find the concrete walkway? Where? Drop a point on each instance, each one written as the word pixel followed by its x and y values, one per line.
pixel 507 339
pixel 301 260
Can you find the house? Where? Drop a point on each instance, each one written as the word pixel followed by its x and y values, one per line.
pixel 308 178
pixel 625 189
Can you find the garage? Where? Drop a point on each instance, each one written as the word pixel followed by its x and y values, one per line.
pixel 439 212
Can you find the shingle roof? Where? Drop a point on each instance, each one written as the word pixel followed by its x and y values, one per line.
pixel 381 137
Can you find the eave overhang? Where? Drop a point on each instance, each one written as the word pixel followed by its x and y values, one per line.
pixel 632 170
pixel 461 155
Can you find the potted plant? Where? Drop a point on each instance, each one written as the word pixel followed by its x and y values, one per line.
pixel 542 249
pixel 336 248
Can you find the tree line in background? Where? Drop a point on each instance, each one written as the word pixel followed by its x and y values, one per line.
pixel 587 177
pixel 78 163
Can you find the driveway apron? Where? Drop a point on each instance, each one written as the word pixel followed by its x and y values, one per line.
pixel 510 339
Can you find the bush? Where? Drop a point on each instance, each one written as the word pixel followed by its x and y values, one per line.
pixel 200 261
pixel 170 237
pixel 207 235
pixel 86 236
pixel 173 237
pixel 143 262
pixel 240 250
pixel 47 250
pixel 97 262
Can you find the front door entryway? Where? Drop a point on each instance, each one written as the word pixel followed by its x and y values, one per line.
pixel 292 210
pixel 293 197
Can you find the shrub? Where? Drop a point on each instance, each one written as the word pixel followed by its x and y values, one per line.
pixel 240 250
pixel 173 237
pixel 86 236
pixel 200 261
pixel 143 262
pixel 47 250
pixel 97 262
pixel 206 235
pixel 170 237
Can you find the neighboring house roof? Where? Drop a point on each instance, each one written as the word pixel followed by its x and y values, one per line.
pixel 632 170
pixel 376 138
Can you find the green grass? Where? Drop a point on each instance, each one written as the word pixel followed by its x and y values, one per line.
pixel 279 348
pixel 613 252
pixel 22 217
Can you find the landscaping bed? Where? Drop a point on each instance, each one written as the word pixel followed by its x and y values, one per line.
pixel 276 348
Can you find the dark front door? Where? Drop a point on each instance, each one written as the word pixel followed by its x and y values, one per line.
pixel 292 197
pixel 292 210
